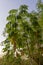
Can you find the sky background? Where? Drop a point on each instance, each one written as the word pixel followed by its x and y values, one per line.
pixel 6 5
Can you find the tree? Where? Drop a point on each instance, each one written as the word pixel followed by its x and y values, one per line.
pixel 24 30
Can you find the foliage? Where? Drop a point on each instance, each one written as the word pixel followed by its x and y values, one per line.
pixel 24 31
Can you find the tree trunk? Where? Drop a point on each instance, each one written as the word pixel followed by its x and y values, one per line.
pixel 14 46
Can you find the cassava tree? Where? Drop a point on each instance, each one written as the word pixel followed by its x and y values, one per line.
pixel 24 31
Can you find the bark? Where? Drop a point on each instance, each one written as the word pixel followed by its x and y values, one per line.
pixel 14 46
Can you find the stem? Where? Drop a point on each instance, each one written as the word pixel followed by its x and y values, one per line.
pixel 14 46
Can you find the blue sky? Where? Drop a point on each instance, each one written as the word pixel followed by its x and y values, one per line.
pixel 6 5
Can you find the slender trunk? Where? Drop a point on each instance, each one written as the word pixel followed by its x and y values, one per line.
pixel 38 44
pixel 39 54
pixel 29 54
pixel 14 46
